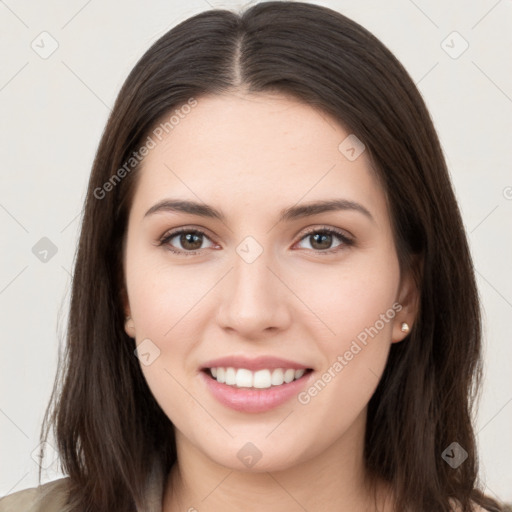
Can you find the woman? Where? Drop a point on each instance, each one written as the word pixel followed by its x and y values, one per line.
pixel 273 303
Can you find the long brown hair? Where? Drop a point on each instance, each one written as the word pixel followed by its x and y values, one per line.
pixel 108 427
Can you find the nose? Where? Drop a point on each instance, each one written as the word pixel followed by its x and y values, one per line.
pixel 253 301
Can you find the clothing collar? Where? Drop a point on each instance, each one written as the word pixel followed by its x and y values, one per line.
pixel 154 490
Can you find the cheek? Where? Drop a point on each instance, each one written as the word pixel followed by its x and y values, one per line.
pixel 355 304
pixel 165 303
pixel 351 296
pixel 360 313
pixel 162 297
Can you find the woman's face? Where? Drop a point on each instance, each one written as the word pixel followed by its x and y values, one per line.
pixel 259 290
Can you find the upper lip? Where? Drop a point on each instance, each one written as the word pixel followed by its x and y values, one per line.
pixel 253 363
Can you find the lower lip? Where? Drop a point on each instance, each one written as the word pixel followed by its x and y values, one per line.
pixel 251 399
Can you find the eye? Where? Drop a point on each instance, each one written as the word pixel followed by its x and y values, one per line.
pixel 321 240
pixel 190 240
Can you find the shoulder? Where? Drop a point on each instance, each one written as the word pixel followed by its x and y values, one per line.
pixel 48 497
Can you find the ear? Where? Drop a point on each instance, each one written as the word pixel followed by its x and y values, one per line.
pixel 409 299
pixel 129 325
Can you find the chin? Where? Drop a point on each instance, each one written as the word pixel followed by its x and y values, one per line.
pixel 257 456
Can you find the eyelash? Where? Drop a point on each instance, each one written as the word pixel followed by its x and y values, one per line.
pixel 346 241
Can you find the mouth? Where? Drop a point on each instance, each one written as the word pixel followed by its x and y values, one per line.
pixel 261 379
pixel 254 385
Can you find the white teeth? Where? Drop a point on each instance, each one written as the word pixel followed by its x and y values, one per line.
pixel 261 379
pixel 289 375
pixel 244 378
pixel 277 377
pixel 299 373
pixel 230 376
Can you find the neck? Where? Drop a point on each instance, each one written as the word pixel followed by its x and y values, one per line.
pixel 332 480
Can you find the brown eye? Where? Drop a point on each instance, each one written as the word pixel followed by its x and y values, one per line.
pixel 185 241
pixel 321 240
pixel 190 241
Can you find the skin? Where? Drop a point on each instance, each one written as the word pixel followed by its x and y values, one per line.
pixel 251 156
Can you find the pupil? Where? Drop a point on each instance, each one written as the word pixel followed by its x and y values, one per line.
pixel 324 237
pixel 190 238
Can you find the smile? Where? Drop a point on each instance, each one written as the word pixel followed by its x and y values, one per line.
pixel 261 379
pixel 254 385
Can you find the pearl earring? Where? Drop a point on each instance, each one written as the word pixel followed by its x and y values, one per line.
pixel 405 327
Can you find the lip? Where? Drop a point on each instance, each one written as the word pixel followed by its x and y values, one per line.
pixel 253 364
pixel 251 400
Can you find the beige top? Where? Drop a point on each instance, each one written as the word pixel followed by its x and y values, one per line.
pixel 51 497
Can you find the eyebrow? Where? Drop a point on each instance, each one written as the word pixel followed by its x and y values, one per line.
pixel 287 214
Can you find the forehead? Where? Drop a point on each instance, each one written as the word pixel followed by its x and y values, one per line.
pixel 254 148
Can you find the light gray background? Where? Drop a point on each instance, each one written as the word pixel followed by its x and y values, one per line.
pixel 53 112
